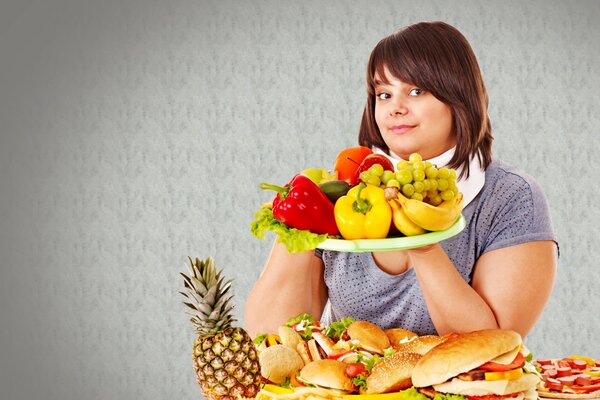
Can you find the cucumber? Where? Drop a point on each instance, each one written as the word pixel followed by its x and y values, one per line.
pixel 334 189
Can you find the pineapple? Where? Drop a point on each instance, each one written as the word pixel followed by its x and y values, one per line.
pixel 225 358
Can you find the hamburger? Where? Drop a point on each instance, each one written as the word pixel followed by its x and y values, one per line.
pixel 480 365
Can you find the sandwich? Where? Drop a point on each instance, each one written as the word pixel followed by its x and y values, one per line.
pixel 392 373
pixel 326 374
pixel 481 365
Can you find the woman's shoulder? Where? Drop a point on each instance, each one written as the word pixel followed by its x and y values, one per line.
pixel 503 180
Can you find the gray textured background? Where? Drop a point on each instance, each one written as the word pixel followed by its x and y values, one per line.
pixel 135 133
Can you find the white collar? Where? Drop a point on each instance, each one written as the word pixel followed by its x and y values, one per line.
pixel 470 187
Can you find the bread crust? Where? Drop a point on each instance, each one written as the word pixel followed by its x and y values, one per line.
pixel 398 335
pixel 278 362
pixel 461 354
pixel 392 374
pixel 420 344
pixel 327 373
pixel 556 395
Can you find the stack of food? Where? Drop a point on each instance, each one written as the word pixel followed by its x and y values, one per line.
pixel 347 357
pixel 365 197
pixel 305 360
pixel 353 358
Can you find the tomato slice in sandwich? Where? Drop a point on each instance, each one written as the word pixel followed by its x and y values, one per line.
pixel 490 397
pixel 518 362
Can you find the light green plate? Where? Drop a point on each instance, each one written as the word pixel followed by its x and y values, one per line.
pixel 397 243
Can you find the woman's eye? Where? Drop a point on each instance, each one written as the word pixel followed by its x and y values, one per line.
pixel 383 96
pixel 415 92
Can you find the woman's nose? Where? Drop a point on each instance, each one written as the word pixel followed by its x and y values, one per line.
pixel 398 108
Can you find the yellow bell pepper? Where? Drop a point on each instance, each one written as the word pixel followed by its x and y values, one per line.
pixel 363 213
pixel 504 375
pixel 592 371
pixel 273 339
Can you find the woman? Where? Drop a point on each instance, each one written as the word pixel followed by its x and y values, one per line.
pixel 425 95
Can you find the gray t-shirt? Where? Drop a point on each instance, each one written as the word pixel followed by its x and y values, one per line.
pixel 510 209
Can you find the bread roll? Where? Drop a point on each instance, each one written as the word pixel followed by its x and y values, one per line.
pixel 392 374
pixel 371 337
pixel 327 373
pixel 278 362
pixel 461 354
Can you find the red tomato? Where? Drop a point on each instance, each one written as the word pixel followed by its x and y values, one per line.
pixel 348 161
pixel 489 397
pixel 354 369
pixel 337 354
pixel 495 367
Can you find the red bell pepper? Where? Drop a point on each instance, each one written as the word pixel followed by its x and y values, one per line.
pixel 302 205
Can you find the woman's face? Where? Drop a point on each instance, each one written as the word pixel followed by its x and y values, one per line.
pixel 412 120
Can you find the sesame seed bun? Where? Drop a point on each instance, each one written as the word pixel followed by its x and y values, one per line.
pixel 420 344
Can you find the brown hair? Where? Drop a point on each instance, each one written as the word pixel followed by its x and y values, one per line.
pixel 436 57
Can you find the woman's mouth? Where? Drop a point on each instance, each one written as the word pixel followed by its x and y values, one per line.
pixel 398 129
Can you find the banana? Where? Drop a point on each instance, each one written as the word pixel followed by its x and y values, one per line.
pixel 429 217
pixel 402 222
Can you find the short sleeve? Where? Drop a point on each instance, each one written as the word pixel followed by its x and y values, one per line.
pixel 319 253
pixel 522 214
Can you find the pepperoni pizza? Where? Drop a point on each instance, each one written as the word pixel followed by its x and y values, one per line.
pixel 576 377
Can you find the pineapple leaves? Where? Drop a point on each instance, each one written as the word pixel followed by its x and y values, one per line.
pixel 208 297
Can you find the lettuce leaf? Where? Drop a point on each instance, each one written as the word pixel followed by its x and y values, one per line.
pixel 413 394
pixel 449 396
pixel 295 240
pixel 335 330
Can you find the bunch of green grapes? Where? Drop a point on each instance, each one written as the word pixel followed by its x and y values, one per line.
pixel 416 179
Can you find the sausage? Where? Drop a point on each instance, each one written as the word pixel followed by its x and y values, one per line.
pixel 563 362
pixel 567 380
pixel 549 373
pixel 544 361
pixel 579 364
pixel 563 371
pixel 583 380
pixel 553 384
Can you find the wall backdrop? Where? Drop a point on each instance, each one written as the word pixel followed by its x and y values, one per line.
pixel 135 133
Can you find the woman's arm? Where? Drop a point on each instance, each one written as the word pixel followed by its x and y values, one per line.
pixel 509 289
pixel 290 284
